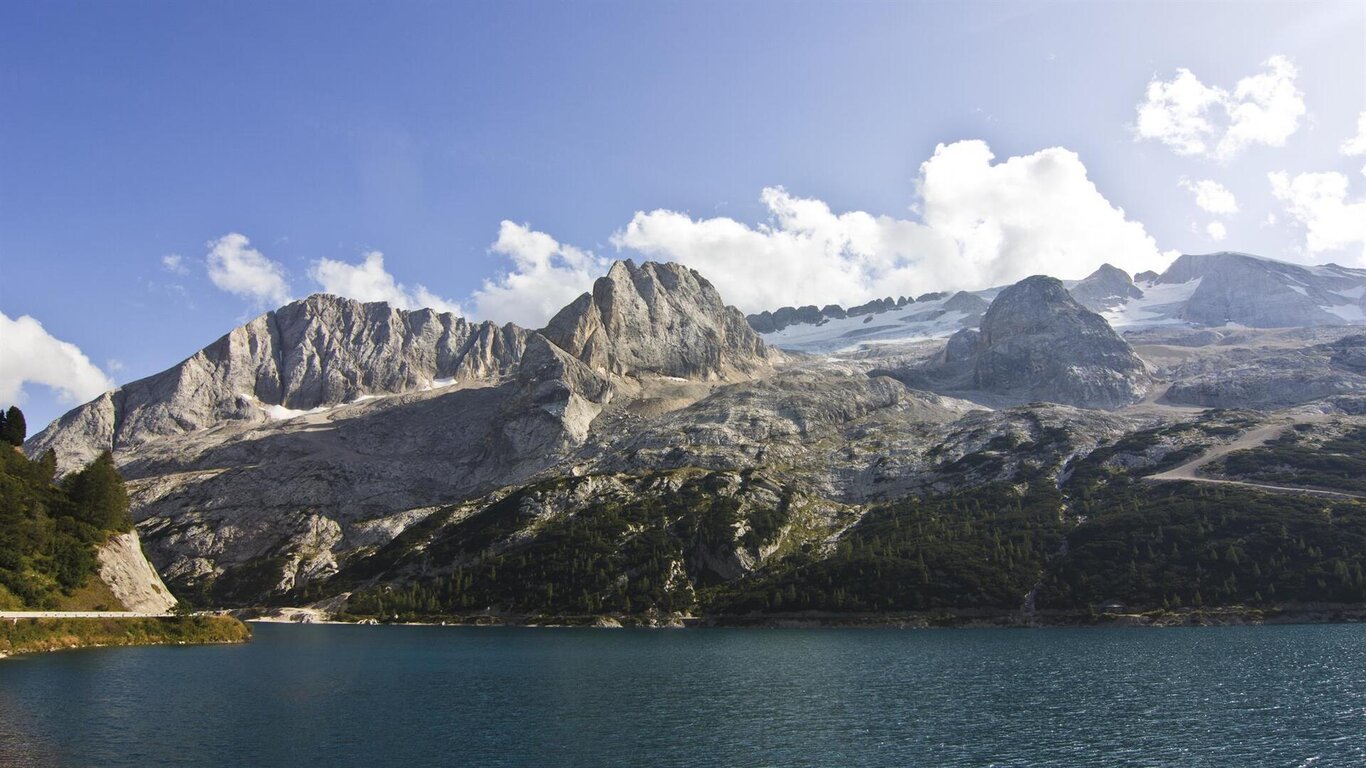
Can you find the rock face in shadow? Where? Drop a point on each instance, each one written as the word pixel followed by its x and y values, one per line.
pixel 657 319
pixel 1039 343
pixel 1105 288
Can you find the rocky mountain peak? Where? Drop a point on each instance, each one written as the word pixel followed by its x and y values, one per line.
pixel 1105 288
pixel 1038 342
pixel 657 319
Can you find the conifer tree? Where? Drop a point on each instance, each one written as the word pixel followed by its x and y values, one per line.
pixel 13 429
pixel 98 496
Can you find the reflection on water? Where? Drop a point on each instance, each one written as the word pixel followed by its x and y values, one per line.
pixel 342 696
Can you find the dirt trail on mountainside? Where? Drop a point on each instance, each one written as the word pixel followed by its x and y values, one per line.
pixel 1253 438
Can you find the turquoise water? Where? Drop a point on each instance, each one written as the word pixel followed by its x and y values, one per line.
pixel 362 696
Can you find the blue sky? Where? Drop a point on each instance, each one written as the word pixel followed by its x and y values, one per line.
pixel 137 137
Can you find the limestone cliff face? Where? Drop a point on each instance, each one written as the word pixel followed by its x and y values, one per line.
pixel 318 352
pixel 660 320
pixel 131 578
pixel 1038 342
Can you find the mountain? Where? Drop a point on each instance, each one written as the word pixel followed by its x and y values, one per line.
pixel 1216 289
pixel 319 352
pixel 329 425
pixel 649 453
pixel 1037 343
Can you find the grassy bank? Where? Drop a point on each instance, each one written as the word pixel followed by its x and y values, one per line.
pixel 33 635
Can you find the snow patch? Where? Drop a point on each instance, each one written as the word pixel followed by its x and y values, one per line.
pixel 1160 304
pixel 281 413
pixel 918 321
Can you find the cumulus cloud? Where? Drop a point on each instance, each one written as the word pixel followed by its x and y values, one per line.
pixel 31 355
pixel 1357 144
pixel 1216 230
pixel 175 264
pixel 1177 113
pixel 982 224
pixel 239 269
pixel 1319 202
pixel 370 281
pixel 545 276
pixel 1211 196
pixel 1197 119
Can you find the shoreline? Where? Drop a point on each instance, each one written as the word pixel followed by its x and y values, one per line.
pixel 24 636
pixel 975 619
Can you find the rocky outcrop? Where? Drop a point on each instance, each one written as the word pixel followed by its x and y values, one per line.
pixel 1273 378
pixel 318 352
pixel 131 578
pixel 1106 288
pixel 657 320
pixel 1038 343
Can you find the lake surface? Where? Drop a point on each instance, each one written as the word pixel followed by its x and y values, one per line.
pixel 364 696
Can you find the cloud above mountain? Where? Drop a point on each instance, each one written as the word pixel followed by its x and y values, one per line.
pixel 1356 145
pixel 34 356
pixel 544 276
pixel 370 281
pixel 981 223
pixel 1211 196
pixel 236 267
pixel 1195 119
pixel 1321 203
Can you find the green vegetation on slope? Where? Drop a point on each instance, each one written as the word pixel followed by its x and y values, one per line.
pixel 983 548
pixel 31 635
pixel 1338 464
pixel 646 553
pixel 50 531
pixel 1187 544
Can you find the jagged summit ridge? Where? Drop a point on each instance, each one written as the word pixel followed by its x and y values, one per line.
pixel 323 351
pixel 316 352
pixel 657 319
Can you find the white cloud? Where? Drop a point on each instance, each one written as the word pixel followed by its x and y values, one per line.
pixel 1319 202
pixel 369 281
pixel 982 224
pixel 1216 231
pixel 1195 119
pixel 1265 109
pixel 239 269
pixel 1176 112
pixel 545 276
pixel 1357 144
pixel 31 355
pixel 1211 196
pixel 175 264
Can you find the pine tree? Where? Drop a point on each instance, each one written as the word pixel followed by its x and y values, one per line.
pixel 97 495
pixel 13 429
